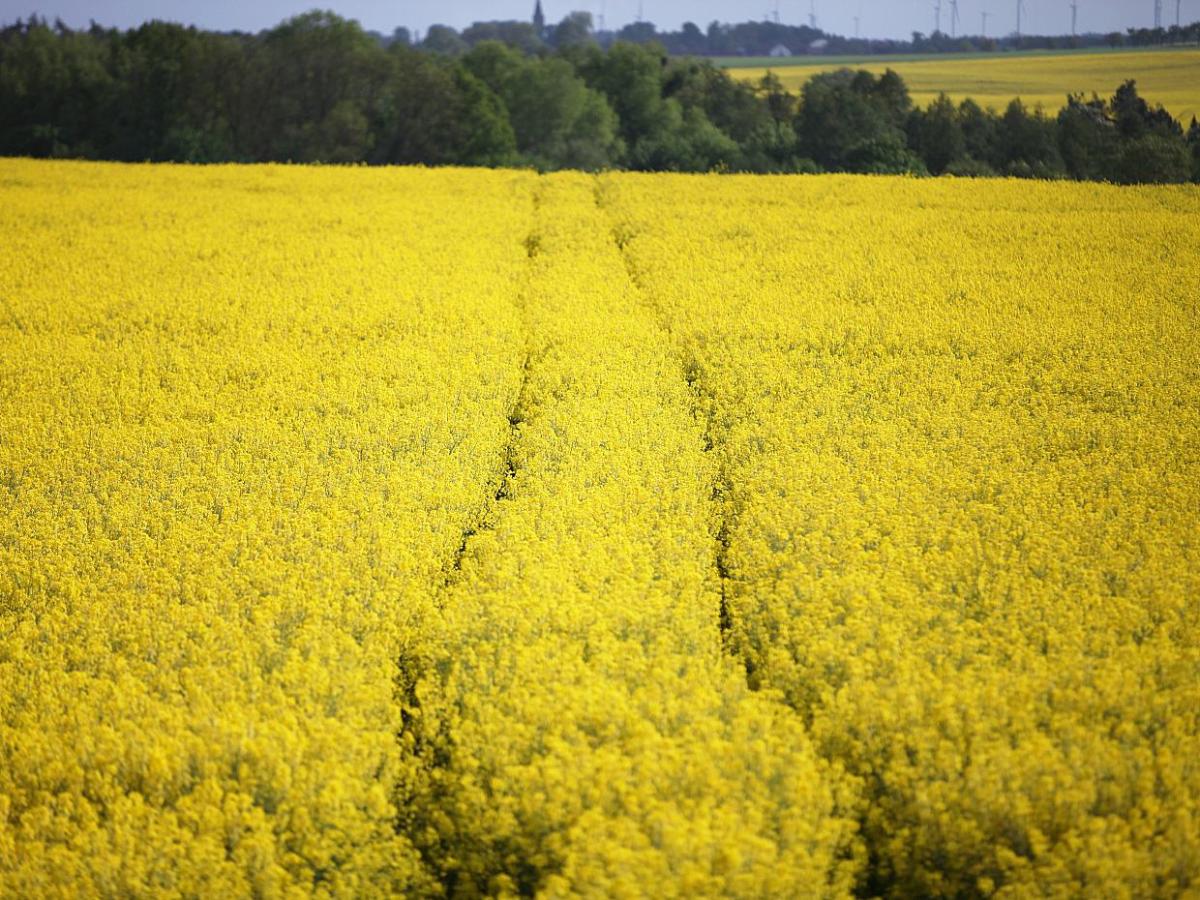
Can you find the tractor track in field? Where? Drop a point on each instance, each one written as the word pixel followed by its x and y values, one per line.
pixel 702 406
pixel 429 740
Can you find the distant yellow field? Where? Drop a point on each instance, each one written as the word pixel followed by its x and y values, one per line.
pixel 1169 77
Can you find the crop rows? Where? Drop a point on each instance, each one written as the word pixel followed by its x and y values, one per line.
pixel 585 729
pixel 961 452
pixel 247 415
pixel 481 533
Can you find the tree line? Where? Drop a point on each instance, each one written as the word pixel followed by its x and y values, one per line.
pixel 760 38
pixel 318 88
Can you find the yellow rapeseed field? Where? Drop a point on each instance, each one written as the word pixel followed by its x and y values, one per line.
pixel 369 532
pixel 1169 77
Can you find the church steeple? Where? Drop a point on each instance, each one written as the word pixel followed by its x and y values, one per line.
pixel 539 20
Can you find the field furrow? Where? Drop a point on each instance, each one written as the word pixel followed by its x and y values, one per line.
pixel 483 533
pixel 585 732
pixel 246 416
pixel 963 529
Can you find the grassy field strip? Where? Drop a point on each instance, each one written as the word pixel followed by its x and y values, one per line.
pixel 246 415
pixel 1169 77
pixel 854 59
pixel 962 534
pixel 586 731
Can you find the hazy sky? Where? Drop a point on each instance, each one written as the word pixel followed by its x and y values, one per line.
pixel 879 18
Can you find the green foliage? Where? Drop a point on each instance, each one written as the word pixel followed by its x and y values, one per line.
pixel 1123 140
pixel 1026 144
pixel 937 135
pixel 663 111
pixel 318 88
pixel 520 36
pixel 557 120
pixel 431 112
pixel 322 70
pixel 851 121
pixel 884 155
pixel 1153 158
pixel 629 75
pixel 443 39
pixel 1193 140
pixel 574 30
pixel 969 168
pixel 1134 117
pixel 687 141
pixel 979 128
pixel 488 138
pixel 1087 138
pixel 738 109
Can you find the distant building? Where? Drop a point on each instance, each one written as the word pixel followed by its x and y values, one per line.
pixel 818 46
pixel 539 20
pixel 780 50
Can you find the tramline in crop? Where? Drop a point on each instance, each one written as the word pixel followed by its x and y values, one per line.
pixel 476 532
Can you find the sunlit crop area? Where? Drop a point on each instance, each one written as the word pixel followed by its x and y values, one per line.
pixel 1169 77
pixel 463 532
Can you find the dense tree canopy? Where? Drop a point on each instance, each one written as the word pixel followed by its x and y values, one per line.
pixel 317 88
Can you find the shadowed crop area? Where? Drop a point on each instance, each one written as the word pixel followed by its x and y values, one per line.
pixel 483 533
